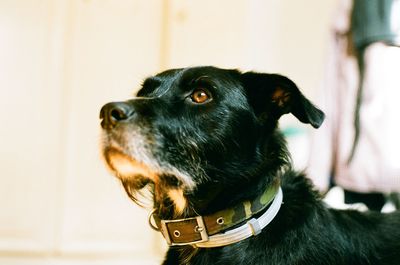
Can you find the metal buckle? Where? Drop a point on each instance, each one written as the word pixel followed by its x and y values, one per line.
pixel 200 228
pixel 150 218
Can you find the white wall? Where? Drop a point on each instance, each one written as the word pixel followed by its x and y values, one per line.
pixel 61 60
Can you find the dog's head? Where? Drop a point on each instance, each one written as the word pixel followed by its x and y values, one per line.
pixel 194 133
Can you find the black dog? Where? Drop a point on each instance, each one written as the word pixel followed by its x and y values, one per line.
pixel 205 142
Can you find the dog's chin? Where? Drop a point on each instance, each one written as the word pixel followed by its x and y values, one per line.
pixel 126 167
pixel 135 176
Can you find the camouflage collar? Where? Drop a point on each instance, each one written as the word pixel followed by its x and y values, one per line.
pixel 217 229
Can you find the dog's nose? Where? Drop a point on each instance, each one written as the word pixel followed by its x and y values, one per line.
pixel 113 113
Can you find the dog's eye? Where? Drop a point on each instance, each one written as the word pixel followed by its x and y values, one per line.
pixel 200 96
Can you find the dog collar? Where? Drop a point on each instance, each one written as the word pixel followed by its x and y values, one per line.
pixel 214 230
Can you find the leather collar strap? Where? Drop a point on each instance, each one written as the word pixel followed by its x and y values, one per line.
pixel 213 230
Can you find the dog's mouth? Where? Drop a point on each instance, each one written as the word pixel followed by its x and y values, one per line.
pixel 144 175
pixel 126 167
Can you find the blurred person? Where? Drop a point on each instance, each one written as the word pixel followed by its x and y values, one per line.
pixel 358 146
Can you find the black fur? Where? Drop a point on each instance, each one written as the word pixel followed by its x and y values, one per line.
pixel 231 148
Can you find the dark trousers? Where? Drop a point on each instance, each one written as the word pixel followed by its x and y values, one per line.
pixel 374 201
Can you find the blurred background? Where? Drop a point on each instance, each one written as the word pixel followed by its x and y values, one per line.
pixel 61 60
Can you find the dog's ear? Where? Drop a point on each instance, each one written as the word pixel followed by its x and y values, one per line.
pixel 273 94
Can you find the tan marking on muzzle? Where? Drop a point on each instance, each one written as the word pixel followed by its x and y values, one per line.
pixel 126 167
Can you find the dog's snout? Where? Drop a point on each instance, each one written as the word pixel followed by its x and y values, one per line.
pixel 113 113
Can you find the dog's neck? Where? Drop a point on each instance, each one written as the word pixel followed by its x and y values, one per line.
pixel 255 178
pixel 209 199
